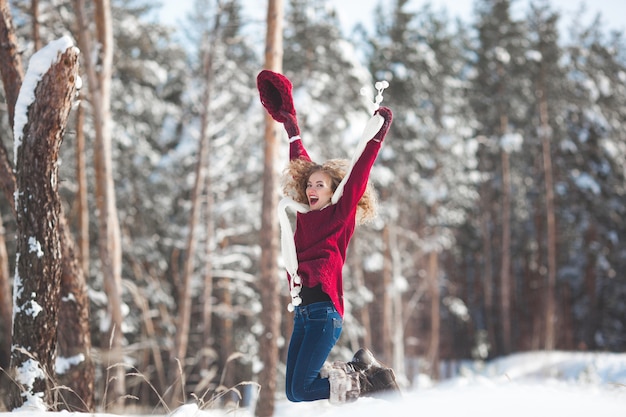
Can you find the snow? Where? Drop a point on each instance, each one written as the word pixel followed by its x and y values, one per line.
pixel 575 384
pixel 38 65
pixel 26 375
pixel 34 246
pixel 61 365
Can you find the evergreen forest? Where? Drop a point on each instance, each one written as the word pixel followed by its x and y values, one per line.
pixel 501 188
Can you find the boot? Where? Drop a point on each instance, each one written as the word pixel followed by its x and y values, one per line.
pixel 344 383
pixel 375 378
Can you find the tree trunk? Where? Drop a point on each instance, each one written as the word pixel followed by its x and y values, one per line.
pixel 386 321
pixel 505 266
pixel 397 306
pixel 435 314
pixel 268 283
pixel 10 60
pixel 99 81
pixel 545 135
pixel 202 171
pixel 38 263
pixel 207 294
pixel 12 75
pixel 488 278
pixel 34 8
pixel 74 333
pixel 6 314
pixel 81 196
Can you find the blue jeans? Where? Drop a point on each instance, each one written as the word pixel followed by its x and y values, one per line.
pixel 316 329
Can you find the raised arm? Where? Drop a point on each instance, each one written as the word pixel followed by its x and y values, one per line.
pixel 276 96
pixel 354 184
pixel 296 147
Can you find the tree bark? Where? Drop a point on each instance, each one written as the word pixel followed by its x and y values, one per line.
pixel 109 241
pixel 386 321
pixel 81 196
pixel 432 354
pixel 10 60
pixel 74 334
pixel 12 76
pixel 34 9
pixel 202 171
pixel 268 283
pixel 6 312
pixel 545 135
pixel 38 264
pixel 505 266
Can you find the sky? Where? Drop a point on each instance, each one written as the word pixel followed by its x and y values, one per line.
pixel 352 12
pixel 572 384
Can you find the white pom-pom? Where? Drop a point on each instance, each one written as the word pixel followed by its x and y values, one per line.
pixel 373 103
pixel 380 87
pixel 290 307
pixel 297 280
pixel 296 301
pixel 295 291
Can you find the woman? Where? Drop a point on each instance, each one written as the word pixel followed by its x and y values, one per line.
pixel 330 199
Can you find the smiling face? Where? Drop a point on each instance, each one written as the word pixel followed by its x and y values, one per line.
pixel 319 190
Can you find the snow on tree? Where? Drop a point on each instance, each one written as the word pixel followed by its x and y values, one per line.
pixel 41 113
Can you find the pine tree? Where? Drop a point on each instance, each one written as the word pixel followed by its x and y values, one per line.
pixel 422 56
pixel 593 182
pixel 501 107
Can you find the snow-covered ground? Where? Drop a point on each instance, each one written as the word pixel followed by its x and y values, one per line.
pixel 529 384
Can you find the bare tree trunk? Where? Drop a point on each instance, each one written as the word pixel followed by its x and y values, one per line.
pixel 12 75
pixel 202 171
pixel 488 274
pixel 386 321
pixel 207 294
pixel 397 329
pixel 99 81
pixel 6 304
pixel 74 333
pixel 545 133
pixel 435 314
pixel 34 7
pixel 505 266
pixel 81 195
pixel 362 314
pixel 38 263
pixel 10 61
pixel 591 323
pixel 225 330
pixel 268 283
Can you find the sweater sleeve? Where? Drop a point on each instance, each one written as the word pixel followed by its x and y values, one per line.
pixel 357 182
pixel 297 150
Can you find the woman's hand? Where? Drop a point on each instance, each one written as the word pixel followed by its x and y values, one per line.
pixel 386 113
pixel 291 123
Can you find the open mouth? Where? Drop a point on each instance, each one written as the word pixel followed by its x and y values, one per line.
pixel 313 200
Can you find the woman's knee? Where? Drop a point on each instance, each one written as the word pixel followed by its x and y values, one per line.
pixel 291 397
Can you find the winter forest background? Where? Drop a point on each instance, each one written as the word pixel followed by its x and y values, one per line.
pixel 501 187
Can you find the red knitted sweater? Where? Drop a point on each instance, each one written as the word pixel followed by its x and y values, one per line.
pixel 322 236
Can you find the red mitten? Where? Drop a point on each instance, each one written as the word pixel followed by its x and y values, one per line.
pixel 275 92
pixel 386 113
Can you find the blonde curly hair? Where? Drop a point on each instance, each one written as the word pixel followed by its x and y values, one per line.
pixel 296 175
